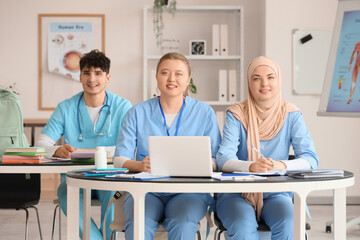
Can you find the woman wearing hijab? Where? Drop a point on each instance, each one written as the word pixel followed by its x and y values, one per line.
pixel 271 125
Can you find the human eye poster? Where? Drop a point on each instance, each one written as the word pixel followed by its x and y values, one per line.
pixel 67 42
pixel 345 87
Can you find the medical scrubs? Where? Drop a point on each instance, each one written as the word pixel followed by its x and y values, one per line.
pixel 236 214
pixel 68 118
pixel 179 212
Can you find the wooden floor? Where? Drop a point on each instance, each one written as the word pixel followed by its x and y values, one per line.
pixel 12 223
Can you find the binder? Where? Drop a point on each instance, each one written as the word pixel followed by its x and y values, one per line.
pixel 154 91
pixel 224 39
pixel 222 85
pixel 216 39
pixel 232 86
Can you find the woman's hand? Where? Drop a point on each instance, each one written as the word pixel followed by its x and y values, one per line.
pixel 64 151
pixel 262 165
pixel 145 164
pixel 279 164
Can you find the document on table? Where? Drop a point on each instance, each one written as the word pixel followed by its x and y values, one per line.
pixel 137 176
pixel 236 177
pixel 272 172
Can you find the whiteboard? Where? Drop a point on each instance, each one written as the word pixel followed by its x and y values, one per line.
pixel 310 53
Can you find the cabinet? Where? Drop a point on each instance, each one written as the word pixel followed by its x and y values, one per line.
pixel 196 23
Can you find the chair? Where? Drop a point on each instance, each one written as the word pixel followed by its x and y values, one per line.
pixel 262 227
pixel 94 202
pixel 118 224
pixel 21 191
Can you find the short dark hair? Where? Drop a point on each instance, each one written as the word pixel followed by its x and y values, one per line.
pixel 95 59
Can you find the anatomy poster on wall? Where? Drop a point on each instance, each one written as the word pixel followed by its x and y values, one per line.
pixel 345 87
pixel 67 42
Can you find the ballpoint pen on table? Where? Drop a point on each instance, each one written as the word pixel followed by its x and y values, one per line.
pixel 272 164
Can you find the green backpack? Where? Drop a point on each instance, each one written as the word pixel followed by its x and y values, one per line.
pixel 11 122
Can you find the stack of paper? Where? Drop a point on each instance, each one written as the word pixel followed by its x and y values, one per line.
pixel 32 155
pixel 316 173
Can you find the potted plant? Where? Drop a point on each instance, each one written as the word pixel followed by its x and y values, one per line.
pixel 158 25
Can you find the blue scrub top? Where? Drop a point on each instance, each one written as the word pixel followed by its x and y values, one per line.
pixel 293 131
pixel 64 121
pixel 145 119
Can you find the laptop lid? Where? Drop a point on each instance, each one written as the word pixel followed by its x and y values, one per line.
pixel 180 156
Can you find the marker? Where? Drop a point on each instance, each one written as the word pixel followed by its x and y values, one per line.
pixel 272 164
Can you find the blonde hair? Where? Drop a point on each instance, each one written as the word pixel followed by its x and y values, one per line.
pixel 176 56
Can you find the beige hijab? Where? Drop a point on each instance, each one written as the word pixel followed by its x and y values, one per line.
pixel 261 119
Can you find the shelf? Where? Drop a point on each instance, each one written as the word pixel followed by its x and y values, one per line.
pixel 182 28
pixel 201 57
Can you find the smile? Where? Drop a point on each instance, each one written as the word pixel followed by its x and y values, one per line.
pixel 171 86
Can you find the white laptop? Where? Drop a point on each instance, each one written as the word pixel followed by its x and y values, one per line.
pixel 180 156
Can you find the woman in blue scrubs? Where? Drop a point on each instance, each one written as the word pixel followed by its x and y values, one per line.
pixel 271 125
pixel 172 114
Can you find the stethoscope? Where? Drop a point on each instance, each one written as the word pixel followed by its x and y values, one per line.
pixel 106 105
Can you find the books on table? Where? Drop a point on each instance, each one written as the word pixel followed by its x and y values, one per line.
pixel 316 173
pixel 25 149
pixel 86 156
pixel 16 155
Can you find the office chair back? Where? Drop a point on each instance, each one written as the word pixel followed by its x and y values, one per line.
pixel 19 190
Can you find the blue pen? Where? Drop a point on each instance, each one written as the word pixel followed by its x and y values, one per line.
pixel 235 174
pixel 143 155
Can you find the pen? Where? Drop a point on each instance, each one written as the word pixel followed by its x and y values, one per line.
pixel 143 155
pixel 235 174
pixel 272 164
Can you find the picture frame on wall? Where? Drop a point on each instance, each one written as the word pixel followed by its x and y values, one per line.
pixel 62 40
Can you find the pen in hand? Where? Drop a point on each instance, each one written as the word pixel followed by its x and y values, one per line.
pixel 272 164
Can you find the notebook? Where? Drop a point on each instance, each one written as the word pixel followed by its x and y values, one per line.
pixel 317 173
pixel 180 156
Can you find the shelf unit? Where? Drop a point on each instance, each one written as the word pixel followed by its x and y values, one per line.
pixel 185 26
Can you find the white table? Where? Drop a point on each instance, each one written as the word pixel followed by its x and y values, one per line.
pixel 138 189
pixel 42 168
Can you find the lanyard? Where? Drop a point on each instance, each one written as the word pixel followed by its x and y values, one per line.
pixel 178 121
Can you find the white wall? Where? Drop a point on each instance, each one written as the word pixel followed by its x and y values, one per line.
pixel 123 42
pixel 336 139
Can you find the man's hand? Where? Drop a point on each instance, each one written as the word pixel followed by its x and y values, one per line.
pixel 64 151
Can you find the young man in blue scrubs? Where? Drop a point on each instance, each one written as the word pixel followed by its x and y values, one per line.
pixel 172 114
pixel 89 119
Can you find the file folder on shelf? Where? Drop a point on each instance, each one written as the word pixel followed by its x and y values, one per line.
pixel 222 85
pixel 232 86
pixel 224 39
pixel 216 39
pixel 153 85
